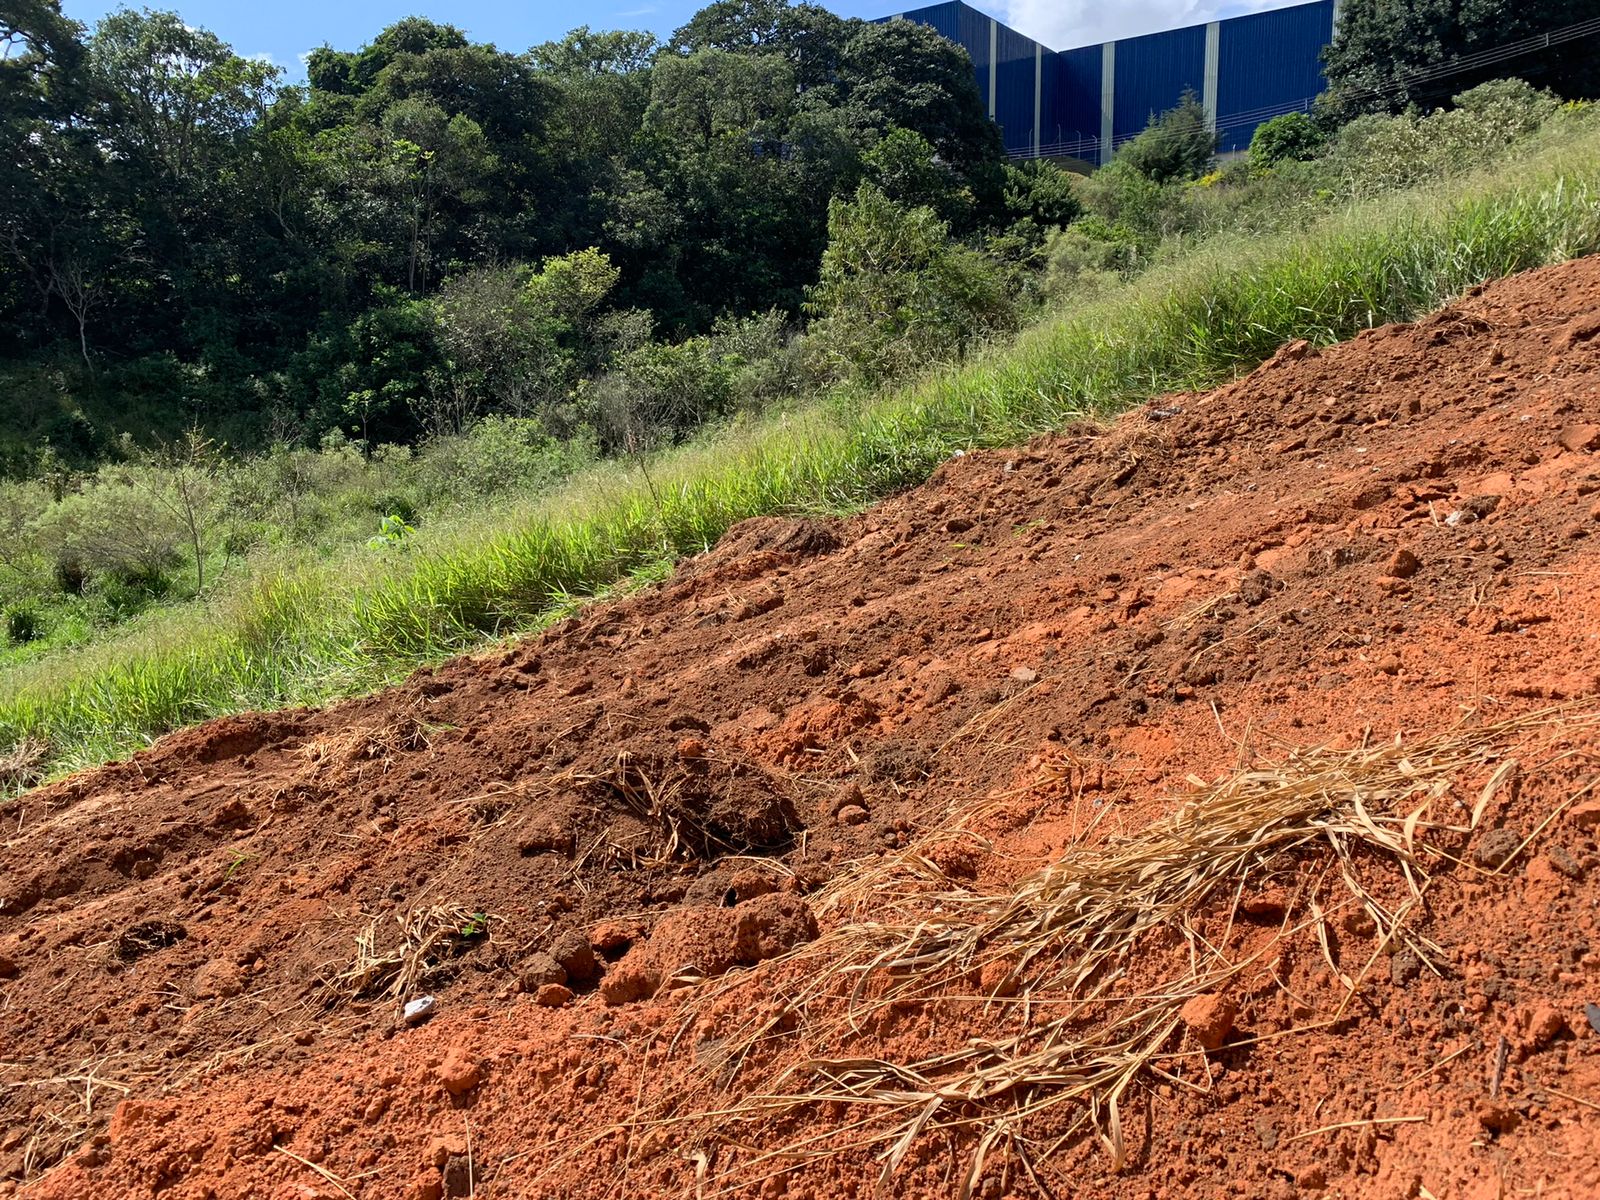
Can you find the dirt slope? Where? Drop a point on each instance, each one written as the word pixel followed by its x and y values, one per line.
pixel 1392 536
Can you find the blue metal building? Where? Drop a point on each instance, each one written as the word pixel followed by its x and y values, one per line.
pixel 1084 102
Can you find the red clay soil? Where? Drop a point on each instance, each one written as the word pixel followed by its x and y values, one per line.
pixel 1396 536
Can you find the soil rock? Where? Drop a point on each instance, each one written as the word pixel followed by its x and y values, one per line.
pixel 1210 1019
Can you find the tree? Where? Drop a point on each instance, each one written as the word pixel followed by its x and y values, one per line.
pixel 518 340
pixel 181 97
pixel 1383 51
pixel 896 293
pixel 902 73
pixel 1175 146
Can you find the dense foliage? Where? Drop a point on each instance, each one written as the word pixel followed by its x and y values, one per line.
pixel 432 230
pixel 1387 55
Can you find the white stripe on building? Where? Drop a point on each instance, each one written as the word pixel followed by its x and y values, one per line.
pixel 1108 99
pixel 994 72
pixel 1038 93
pixel 1208 90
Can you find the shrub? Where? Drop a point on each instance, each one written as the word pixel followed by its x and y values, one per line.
pixel 896 293
pixel 1294 136
pixel 1086 256
pixel 1040 191
pixel 22 624
pixel 661 393
pixel 1177 145
pixel 497 456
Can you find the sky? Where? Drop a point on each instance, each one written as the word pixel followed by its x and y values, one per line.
pixel 284 30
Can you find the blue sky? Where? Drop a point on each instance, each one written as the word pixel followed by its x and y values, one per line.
pixel 286 29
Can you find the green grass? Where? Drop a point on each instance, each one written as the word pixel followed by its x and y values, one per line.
pixel 307 633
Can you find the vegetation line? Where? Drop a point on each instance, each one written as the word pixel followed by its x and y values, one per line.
pixel 310 634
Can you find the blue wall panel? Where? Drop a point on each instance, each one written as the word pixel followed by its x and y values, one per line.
pixel 1269 63
pixel 1077 107
pixel 1152 73
pixel 1014 95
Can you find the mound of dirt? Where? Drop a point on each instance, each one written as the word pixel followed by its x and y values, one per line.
pixel 606 852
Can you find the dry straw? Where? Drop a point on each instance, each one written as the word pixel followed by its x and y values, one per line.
pixel 1050 961
pixel 428 937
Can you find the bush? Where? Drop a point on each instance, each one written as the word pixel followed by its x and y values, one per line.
pixel 1087 256
pixel 762 355
pixel 1040 191
pixel 1376 153
pixel 661 393
pixel 896 293
pixel 497 456
pixel 1293 137
pixel 1123 196
pixel 1177 145
pixel 23 624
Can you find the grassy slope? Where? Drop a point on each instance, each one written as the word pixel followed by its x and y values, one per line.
pixel 310 633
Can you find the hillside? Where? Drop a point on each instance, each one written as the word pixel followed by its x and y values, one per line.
pixel 1347 606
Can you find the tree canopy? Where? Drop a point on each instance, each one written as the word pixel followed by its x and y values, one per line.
pixel 208 243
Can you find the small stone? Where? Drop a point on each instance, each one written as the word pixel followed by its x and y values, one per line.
pixel 459 1073
pixel 626 983
pixel 442 1148
pixel 1560 858
pixel 575 956
pixel 553 995
pixel 1402 564
pixel 1584 816
pixel 1497 1118
pixel 1579 438
pixel 218 978
pixel 1210 1018
pixel 1312 1179
pixel 418 1010
pixel 426 1187
pixel 1404 967
pixel 691 748
pixel 851 814
pixel 8 968
pixel 1024 674
pixel 1267 1133
pixel 458 1179
pixel 538 970
pixel 1496 847
pixel 612 935
pixel 1591 1013
pixel 1389 665
pixel 1545 1025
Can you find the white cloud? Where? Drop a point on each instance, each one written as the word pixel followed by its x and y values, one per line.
pixel 1063 24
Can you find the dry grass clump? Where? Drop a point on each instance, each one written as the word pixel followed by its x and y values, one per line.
pixel 380 744
pixel 1052 964
pixel 428 936
pixel 22 765
pixel 655 793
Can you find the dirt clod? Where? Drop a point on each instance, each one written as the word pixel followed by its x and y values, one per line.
pixel 1402 564
pixel 1496 847
pixel 1210 1019
pixel 459 1072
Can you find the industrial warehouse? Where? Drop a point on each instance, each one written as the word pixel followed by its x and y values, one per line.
pixel 1084 102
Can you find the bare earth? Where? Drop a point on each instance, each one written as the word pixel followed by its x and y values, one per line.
pixel 639 860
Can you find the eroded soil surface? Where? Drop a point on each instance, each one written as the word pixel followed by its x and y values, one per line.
pixel 203 950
